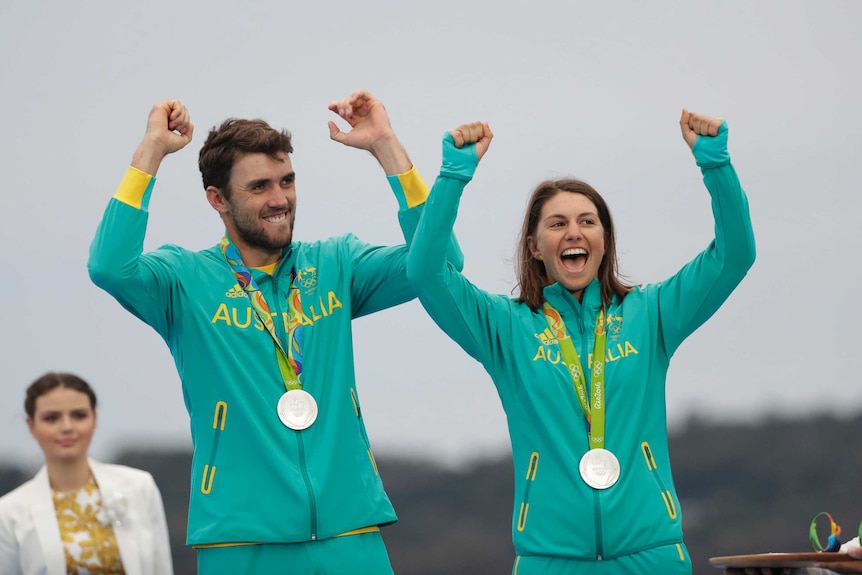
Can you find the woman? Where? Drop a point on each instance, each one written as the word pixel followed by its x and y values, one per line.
pixel 594 492
pixel 78 515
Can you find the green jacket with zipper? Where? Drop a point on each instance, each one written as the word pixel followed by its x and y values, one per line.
pixel 556 514
pixel 253 480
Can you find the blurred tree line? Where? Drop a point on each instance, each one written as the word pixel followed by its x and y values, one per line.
pixel 743 489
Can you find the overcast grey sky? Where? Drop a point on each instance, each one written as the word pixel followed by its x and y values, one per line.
pixel 590 89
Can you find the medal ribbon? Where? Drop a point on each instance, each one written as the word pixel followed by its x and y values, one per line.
pixel 593 405
pixel 290 361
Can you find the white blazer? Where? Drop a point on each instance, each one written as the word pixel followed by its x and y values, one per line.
pixel 30 536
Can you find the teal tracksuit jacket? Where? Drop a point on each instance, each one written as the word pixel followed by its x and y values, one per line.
pixel 555 513
pixel 253 480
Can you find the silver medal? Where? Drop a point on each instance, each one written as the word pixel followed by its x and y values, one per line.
pixel 297 409
pixel 599 468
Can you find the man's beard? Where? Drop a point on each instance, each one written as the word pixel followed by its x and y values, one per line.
pixel 255 236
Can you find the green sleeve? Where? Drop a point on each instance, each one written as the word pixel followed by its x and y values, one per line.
pixel 140 283
pixel 466 313
pixel 380 273
pixel 411 191
pixel 695 293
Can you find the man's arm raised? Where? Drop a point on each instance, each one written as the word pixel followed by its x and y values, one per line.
pixel 115 262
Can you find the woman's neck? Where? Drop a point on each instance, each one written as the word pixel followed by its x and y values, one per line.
pixel 579 294
pixel 68 475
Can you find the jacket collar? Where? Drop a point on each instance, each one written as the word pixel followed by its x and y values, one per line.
pixel 111 488
pixel 44 518
pixel 563 300
pixel 116 504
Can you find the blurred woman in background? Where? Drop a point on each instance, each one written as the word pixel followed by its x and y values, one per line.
pixel 78 515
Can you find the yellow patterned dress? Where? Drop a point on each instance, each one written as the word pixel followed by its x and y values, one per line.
pixel 88 538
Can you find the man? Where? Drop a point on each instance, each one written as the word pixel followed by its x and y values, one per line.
pixel 283 477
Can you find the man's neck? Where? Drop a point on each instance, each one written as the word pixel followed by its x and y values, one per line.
pixel 257 257
pixel 258 260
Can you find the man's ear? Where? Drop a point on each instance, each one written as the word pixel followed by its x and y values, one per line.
pixel 217 200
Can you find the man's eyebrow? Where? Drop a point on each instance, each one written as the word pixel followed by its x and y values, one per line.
pixel 264 181
pixel 257 182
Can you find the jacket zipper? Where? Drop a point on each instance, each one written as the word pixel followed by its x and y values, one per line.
pixel 532 468
pixel 666 495
pixel 303 466
pixel 312 504
pixel 597 507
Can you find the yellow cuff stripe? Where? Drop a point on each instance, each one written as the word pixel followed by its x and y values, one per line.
pixel 133 187
pixel 415 189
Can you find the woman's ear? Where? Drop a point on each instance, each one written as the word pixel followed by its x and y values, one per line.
pixel 533 247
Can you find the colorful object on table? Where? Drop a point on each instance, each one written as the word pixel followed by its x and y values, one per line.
pixel 833 543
